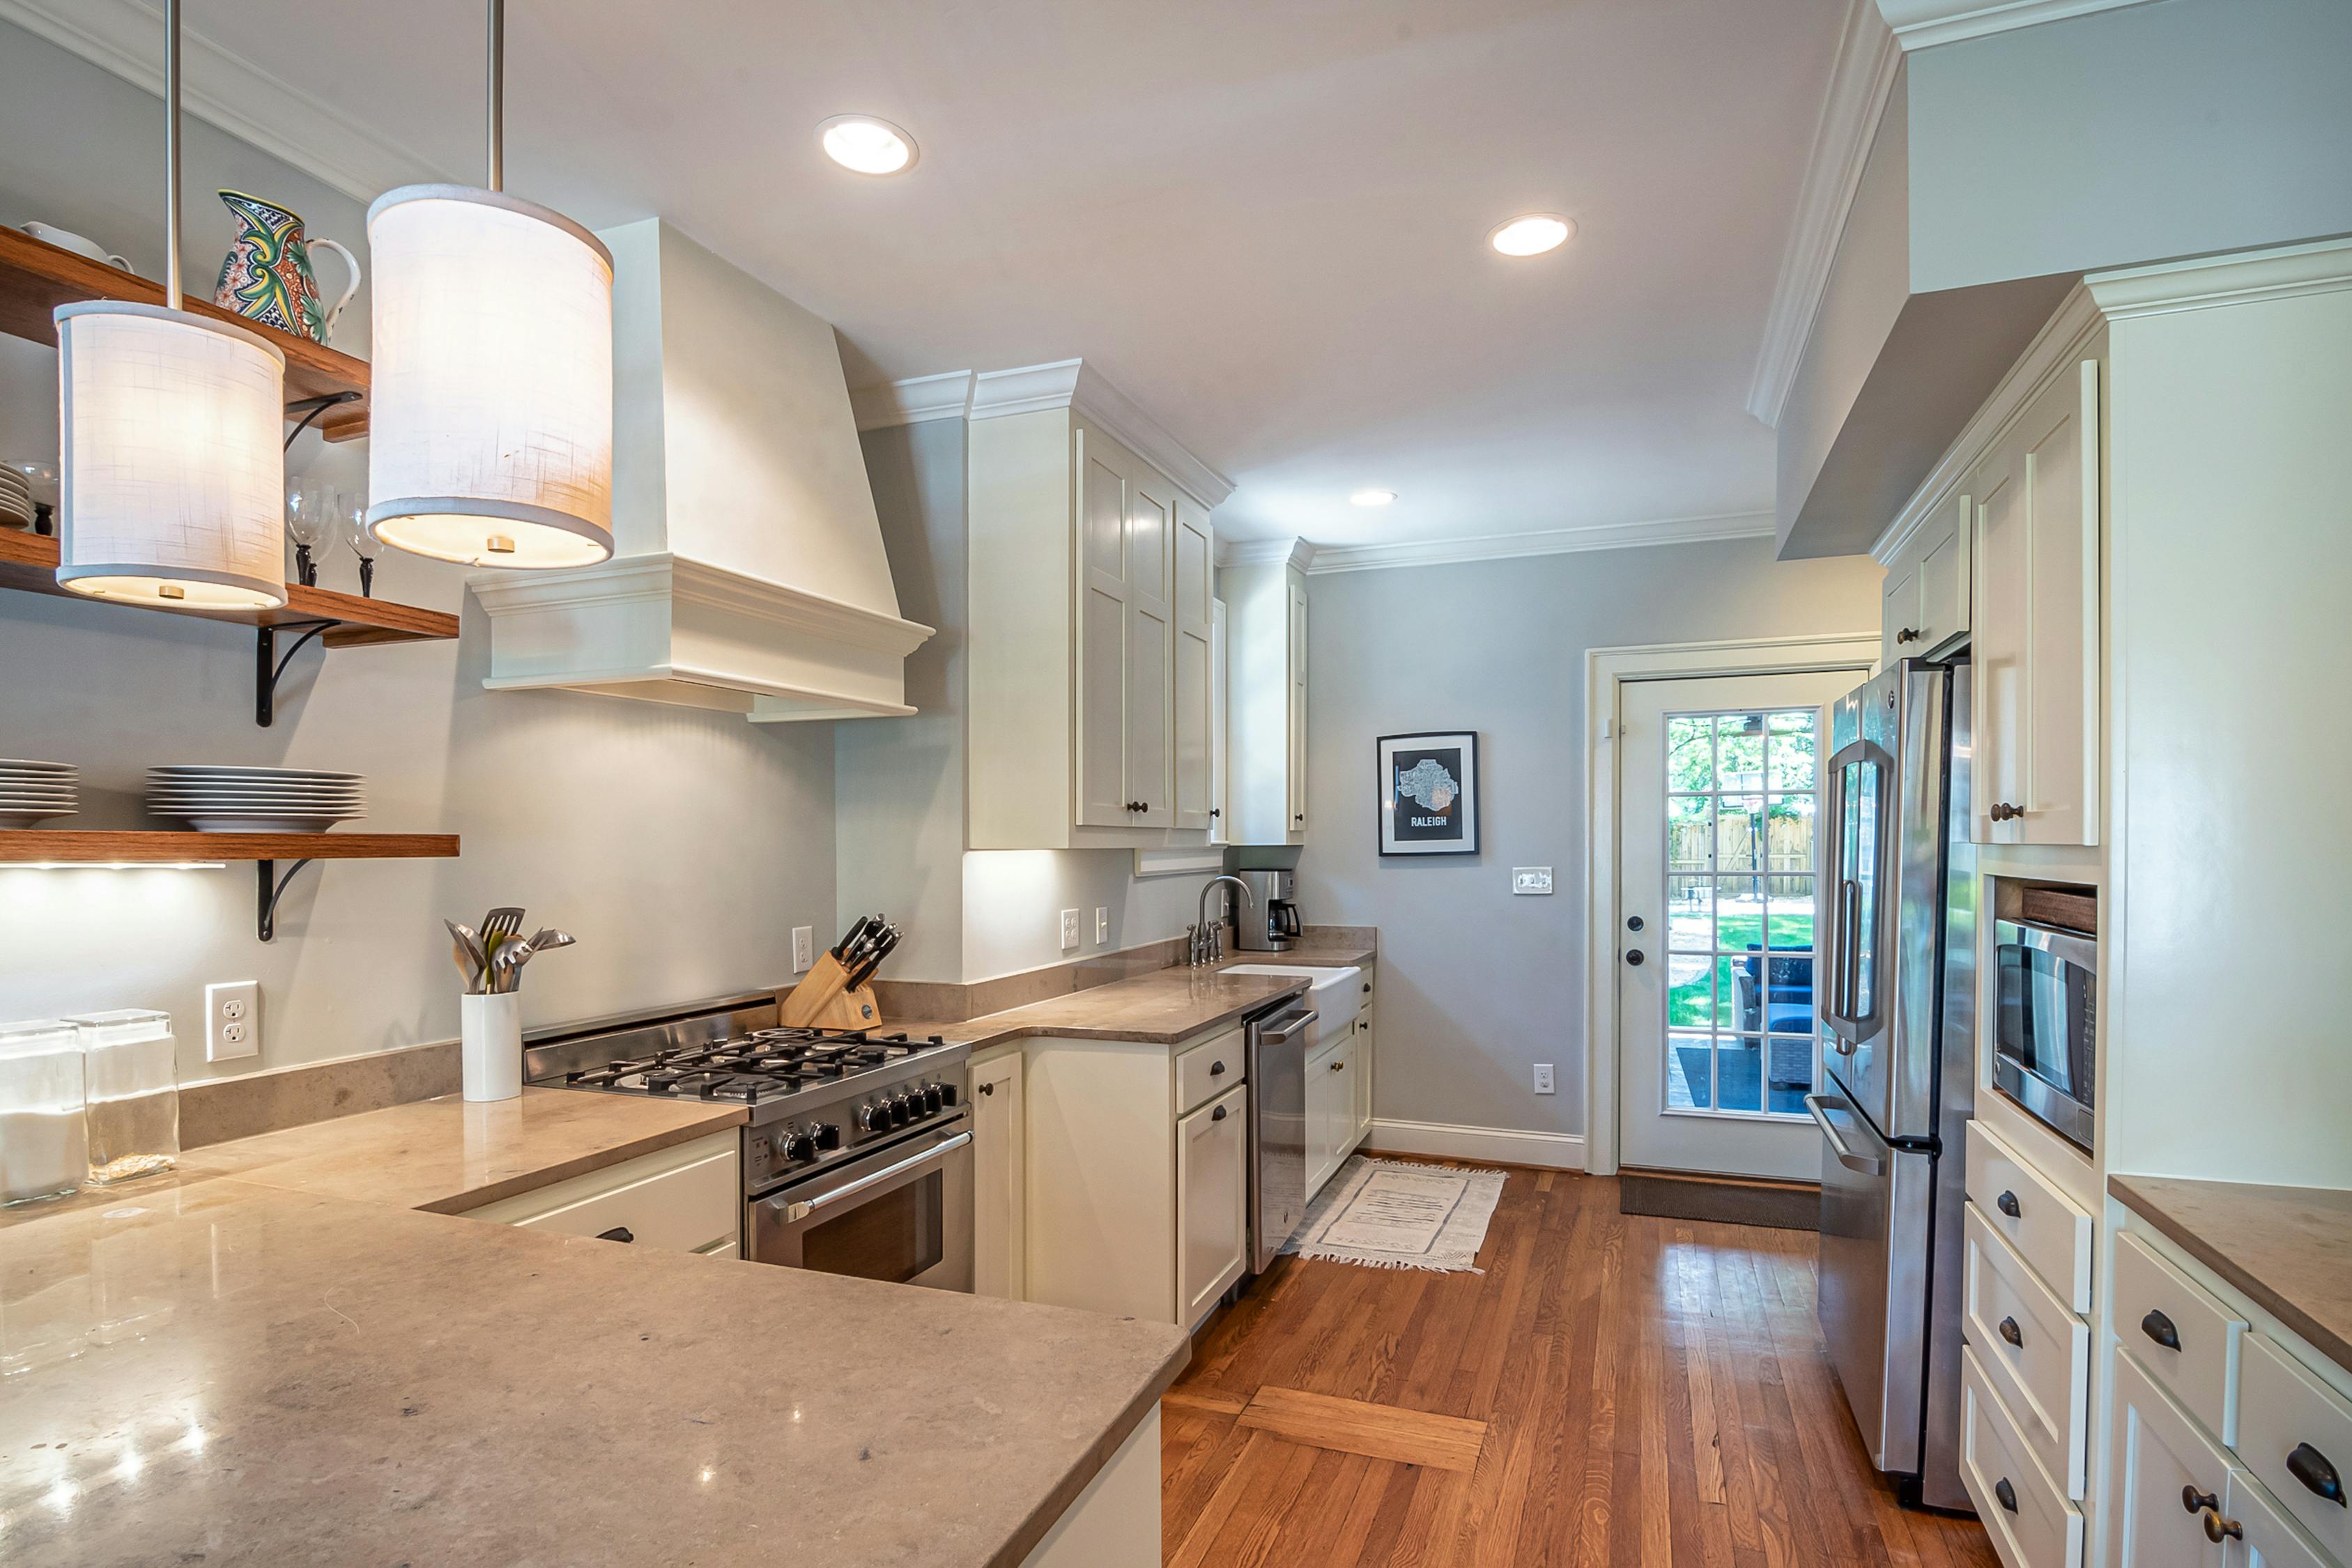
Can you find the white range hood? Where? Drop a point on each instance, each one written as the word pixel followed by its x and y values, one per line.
pixel 748 574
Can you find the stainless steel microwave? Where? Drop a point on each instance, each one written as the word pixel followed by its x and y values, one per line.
pixel 2045 1029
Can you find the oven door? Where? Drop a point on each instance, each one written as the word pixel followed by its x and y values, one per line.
pixel 902 1212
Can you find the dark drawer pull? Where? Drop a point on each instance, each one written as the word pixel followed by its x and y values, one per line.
pixel 2194 1501
pixel 2006 1493
pixel 619 1233
pixel 2009 1331
pixel 2158 1327
pixel 2007 1203
pixel 1218 1114
pixel 2312 1467
pixel 1216 1068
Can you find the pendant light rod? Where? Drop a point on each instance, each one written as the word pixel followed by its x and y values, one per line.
pixel 172 154
pixel 497 101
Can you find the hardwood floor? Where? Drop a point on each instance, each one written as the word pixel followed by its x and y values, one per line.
pixel 1612 1389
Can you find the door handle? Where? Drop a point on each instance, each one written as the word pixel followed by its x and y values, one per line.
pixel 795 1212
pixel 1862 1164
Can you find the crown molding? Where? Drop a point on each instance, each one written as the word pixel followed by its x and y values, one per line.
pixel 1862 77
pixel 1549 542
pixel 2323 267
pixel 914 401
pixel 125 38
pixel 1923 24
pixel 1295 552
pixel 1073 383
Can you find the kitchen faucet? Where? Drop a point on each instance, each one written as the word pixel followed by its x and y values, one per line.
pixel 1208 938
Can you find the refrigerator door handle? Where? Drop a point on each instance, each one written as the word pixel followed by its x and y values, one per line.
pixel 1861 1165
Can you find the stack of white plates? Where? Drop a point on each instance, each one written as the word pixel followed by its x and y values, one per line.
pixel 255 800
pixel 33 792
pixel 16 500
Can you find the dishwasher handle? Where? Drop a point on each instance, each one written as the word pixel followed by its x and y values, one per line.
pixel 1862 1164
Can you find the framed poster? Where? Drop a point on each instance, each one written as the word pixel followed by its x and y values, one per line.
pixel 1429 792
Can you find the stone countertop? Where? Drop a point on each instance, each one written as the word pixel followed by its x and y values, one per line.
pixel 2289 1248
pixel 247 1374
pixel 1159 1009
pixel 1314 957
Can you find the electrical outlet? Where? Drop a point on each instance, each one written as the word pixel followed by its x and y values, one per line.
pixel 803 949
pixel 1069 930
pixel 1543 1078
pixel 1102 926
pixel 1534 880
pixel 232 1020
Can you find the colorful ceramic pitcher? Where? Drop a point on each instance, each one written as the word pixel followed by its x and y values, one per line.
pixel 266 275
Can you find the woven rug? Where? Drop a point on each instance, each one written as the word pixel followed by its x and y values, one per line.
pixel 1386 1214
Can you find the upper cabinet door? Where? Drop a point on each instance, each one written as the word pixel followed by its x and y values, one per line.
pixel 1944 578
pixel 1297 791
pixel 1195 664
pixel 1151 646
pixel 2036 622
pixel 1104 590
pixel 1898 612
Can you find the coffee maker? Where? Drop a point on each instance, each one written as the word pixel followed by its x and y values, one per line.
pixel 1269 922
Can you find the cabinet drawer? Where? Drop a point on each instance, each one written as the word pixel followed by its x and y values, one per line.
pixel 2188 1340
pixel 683 1198
pixel 2293 1435
pixel 2049 1229
pixel 1209 1070
pixel 2031 1525
pixel 2035 1351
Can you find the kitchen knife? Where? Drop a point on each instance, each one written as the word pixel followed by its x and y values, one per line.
pixel 842 949
pixel 869 933
pixel 877 949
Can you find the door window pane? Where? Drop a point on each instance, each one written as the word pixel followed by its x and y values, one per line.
pixel 1739 832
pixel 1788 833
pixel 1690 754
pixel 1690 834
pixel 1690 991
pixel 1791 754
pixel 1738 912
pixel 1791 1057
pixel 1688 1085
pixel 1738 752
pixel 1739 1073
pixel 1792 910
pixel 1690 913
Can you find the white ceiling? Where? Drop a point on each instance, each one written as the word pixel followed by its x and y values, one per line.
pixel 1264 222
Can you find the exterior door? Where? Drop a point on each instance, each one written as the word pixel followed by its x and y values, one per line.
pixel 1719 788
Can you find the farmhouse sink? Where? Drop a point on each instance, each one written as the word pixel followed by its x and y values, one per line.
pixel 1334 994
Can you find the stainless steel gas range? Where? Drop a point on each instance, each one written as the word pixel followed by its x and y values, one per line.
pixel 857 1156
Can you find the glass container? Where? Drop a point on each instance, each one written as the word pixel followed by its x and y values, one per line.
pixel 132 1067
pixel 44 1131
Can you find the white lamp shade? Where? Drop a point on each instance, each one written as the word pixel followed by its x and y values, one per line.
pixel 490 403
pixel 173 469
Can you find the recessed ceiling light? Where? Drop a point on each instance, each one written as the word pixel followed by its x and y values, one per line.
pixel 865 146
pixel 1373 498
pixel 1532 235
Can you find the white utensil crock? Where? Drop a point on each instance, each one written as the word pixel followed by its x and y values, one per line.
pixel 490 1035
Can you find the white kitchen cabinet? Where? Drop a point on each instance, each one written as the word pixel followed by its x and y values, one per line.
pixel 1000 1174
pixel 2035 622
pixel 1898 612
pixel 1331 1110
pixel 1265 679
pixel 2162 1465
pixel 1363 1072
pixel 1090 584
pixel 1943 562
pixel 685 1198
pixel 1211 1202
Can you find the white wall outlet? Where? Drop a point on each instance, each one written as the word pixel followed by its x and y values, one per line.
pixel 1102 925
pixel 803 949
pixel 232 1020
pixel 1534 880
pixel 1543 1078
pixel 1069 930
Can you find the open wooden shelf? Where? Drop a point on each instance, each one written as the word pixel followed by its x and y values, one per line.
pixel 28 561
pixel 139 846
pixel 36 277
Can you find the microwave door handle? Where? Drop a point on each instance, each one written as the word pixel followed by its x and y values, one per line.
pixel 795 1212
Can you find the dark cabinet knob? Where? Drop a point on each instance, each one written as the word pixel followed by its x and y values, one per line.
pixel 1215 812
pixel 2011 1331
pixel 986 1088
pixel 1368 988
pixel 1218 1114
pixel 1216 1068
pixel 2319 1477
pixel 2158 1327
pixel 2001 811
pixel 1634 958
pixel 2218 1529
pixel 619 1233
pixel 2194 1501
pixel 1908 633
pixel 2007 1203
pixel 2005 1493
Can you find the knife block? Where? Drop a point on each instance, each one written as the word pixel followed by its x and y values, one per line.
pixel 823 1000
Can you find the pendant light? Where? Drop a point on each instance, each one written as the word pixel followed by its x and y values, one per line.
pixel 173 472
pixel 490 408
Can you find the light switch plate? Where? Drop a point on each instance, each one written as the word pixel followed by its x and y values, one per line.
pixel 232 1020
pixel 1531 879
pixel 1069 930
pixel 1102 926
pixel 803 949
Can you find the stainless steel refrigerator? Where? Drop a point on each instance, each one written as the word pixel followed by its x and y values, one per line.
pixel 1899 1012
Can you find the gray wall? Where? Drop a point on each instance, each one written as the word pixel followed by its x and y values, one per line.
pixel 1477 985
pixel 679 847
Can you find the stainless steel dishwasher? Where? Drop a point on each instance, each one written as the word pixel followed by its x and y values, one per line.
pixel 1277 1149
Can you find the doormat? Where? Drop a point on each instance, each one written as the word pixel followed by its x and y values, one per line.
pixel 1720 1200
pixel 1391 1213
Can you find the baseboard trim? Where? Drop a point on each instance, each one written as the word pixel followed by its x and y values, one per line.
pixel 1509 1145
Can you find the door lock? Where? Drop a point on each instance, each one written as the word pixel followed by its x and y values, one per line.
pixel 1634 957
pixel 1632 922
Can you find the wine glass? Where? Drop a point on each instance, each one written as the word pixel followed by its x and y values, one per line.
pixel 363 545
pixel 306 524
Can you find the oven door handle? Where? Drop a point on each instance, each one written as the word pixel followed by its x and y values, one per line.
pixel 795 1212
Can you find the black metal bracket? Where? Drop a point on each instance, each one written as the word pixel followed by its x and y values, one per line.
pixel 268 665
pixel 273 887
pixel 316 407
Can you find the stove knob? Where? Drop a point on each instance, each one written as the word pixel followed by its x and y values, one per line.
pixel 828 1135
pixel 932 1099
pixel 947 1094
pixel 897 1111
pixel 800 1146
pixel 872 1118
